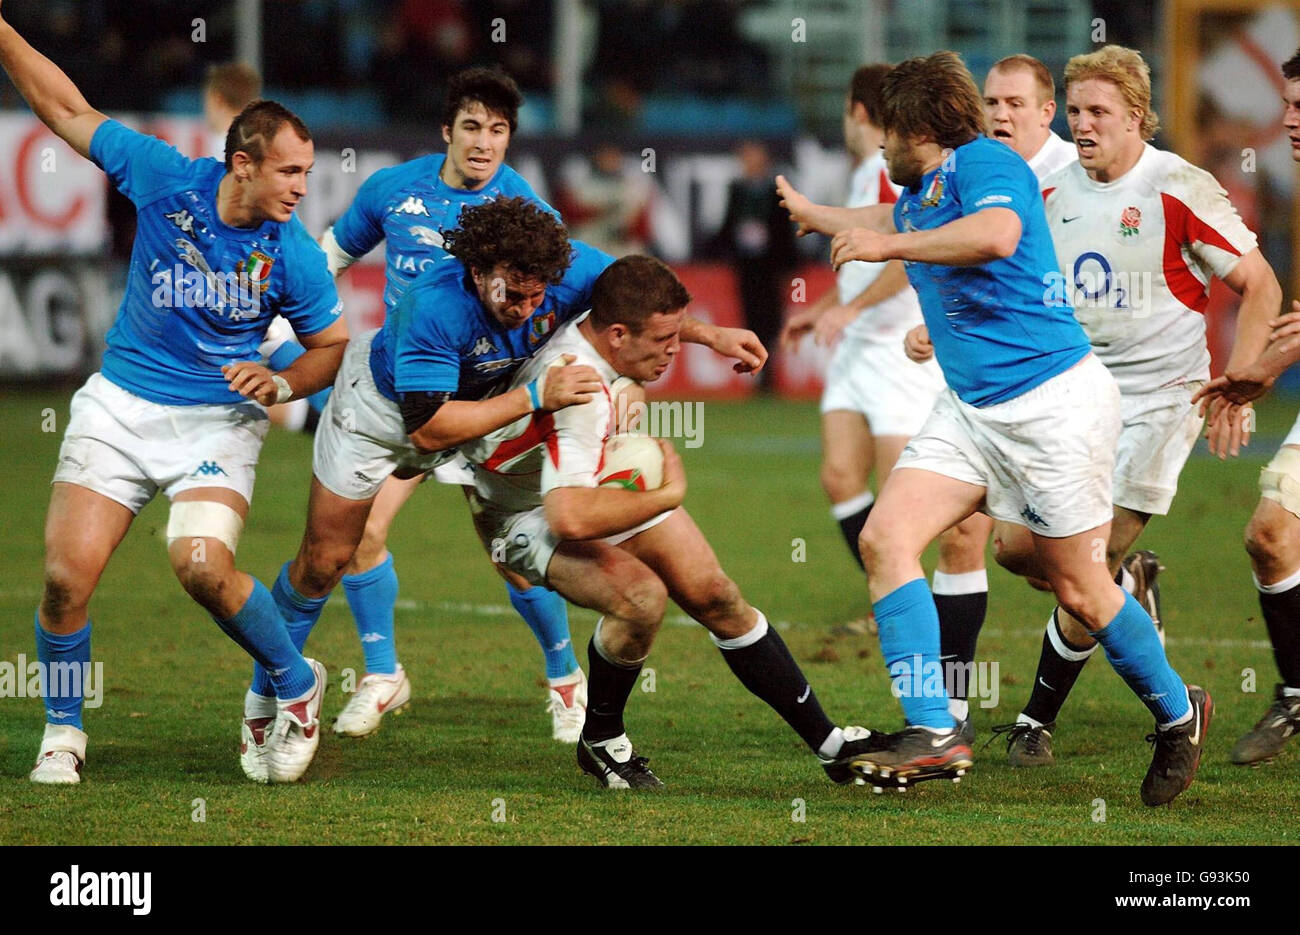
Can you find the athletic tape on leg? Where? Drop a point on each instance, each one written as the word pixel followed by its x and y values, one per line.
pixel 204 519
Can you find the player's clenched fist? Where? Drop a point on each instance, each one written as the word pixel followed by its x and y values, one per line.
pixel 252 381
pixel 568 384
pixel 859 243
pixel 917 345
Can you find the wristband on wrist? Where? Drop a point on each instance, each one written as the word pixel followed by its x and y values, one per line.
pixel 533 395
pixel 282 389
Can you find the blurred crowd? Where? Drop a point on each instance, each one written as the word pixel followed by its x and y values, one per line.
pixel 134 52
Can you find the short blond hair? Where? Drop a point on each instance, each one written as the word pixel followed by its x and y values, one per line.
pixel 1041 74
pixel 1125 69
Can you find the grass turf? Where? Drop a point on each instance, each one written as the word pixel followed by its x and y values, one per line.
pixel 472 761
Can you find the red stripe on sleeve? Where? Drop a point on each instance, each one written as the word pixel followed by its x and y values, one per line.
pixel 1184 227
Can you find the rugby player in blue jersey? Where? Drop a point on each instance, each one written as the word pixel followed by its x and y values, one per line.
pixel 409 206
pixel 179 403
pixel 424 383
pixel 1026 431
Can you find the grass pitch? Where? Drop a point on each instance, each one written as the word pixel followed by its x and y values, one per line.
pixel 472 761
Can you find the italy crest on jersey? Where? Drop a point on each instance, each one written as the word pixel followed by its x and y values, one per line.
pixel 541 326
pixel 934 192
pixel 257 268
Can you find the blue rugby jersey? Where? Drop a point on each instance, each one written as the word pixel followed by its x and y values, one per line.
pixel 411 206
pixel 440 338
pixel 999 329
pixel 199 294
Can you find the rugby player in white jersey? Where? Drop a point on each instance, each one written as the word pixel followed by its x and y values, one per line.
pixel 1138 233
pixel 178 404
pixel 1019 103
pixel 875 399
pixel 625 552
pixel 1273 535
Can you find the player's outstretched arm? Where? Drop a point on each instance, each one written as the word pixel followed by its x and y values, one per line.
pixel 596 512
pixel 740 344
pixel 828 219
pixel 973 240
pixel 52 95
pixel 1255 362
pixel 460 420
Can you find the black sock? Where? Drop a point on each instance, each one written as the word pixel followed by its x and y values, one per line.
pixel 1055 676
pixel 768 670
pixel 960 618
pixel 1282 617
pixel 608 688
pixel 851 528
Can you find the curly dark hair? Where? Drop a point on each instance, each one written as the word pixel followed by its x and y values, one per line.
pixel 513 232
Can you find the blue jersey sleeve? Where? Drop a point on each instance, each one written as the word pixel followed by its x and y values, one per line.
pixel 512 184
pixel 993 178
pixel 361 227
pixel 141 167
pixel 310 302
pixel 427 355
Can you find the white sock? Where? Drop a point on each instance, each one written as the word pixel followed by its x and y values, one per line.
pixel 846 508
pixel 958 708
pixel 1026 719
pixel 1127 581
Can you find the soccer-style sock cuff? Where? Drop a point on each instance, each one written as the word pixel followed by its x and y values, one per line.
pixel 909 642
pixel 852 516
pixel 1134 651
pixel 547 615
pixel 63 695
pixel 1059 665
pixel 372 595
pixel 1280 604
pixel 762 662
pixel 260 631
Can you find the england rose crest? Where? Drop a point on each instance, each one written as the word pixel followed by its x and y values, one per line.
pixel 1130 221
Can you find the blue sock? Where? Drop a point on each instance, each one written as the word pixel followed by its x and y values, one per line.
pixel 547 615
pixel 261 632
pixel 1134 651
pixel 69 649
pixel 909 641
pixel 372 595
pixel 300 615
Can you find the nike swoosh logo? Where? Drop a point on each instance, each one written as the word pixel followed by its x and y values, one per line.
pixel 939 741
pixel 1196 737
pixel 383 706
pixel 807 690
pixel 356 381
pixel 1068 220
pixel 1045 685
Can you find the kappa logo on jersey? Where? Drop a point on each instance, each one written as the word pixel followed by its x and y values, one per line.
pixel 182 219
pixel 412 205
pixel 482 346
pixel 541 326
pixel 209 468
pixel 1130 221
pixel 427 235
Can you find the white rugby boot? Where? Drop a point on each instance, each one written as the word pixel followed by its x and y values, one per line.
pixel 295 735
pixel 567 705
pixel 62 754
pixel 376 696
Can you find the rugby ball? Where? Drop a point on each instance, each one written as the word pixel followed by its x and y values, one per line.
pixel 633 462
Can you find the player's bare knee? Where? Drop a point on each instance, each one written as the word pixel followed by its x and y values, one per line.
pixel 1266 541
pixel 206 583
pixel 840 482
pixel 64 594
pixel 642 602
pixel 716 599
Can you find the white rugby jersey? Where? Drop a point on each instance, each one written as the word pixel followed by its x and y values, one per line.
pixel 899 313
pixel 1054 154
pixel 518 464
pixel 1136 258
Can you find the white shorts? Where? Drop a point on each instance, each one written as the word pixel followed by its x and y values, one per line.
pixel 529 542
pixel 1159 431
pixel 128 448
pixel 1293 436
pixel 877 379
pixel 1046 458
pixel 361 438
